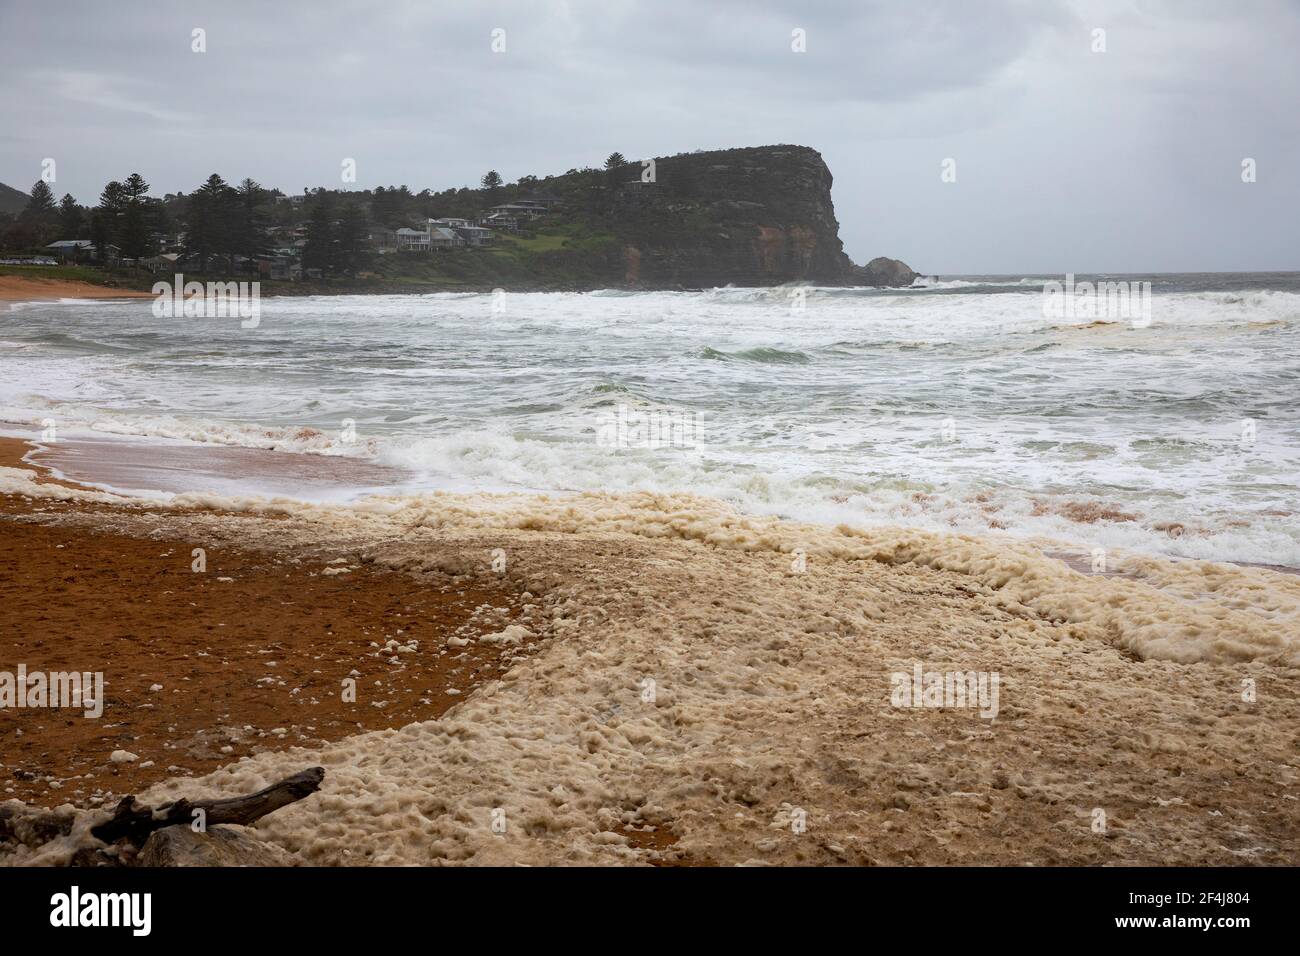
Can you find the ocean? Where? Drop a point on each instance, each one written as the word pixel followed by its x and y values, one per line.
pixel 956 405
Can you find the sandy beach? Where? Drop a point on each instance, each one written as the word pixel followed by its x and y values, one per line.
pixel 645 679
pixel 32 289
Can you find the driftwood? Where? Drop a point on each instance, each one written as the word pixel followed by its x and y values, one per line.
pixel 133 822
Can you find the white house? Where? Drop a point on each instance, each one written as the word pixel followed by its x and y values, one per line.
pixel 414 240
pixel 432 236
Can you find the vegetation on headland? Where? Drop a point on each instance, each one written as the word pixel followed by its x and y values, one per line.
pixel 755 216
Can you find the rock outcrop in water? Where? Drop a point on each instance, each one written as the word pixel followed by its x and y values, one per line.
pixel 886 272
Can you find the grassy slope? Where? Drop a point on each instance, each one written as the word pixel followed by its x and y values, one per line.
pixel 559 256
pixel 89 274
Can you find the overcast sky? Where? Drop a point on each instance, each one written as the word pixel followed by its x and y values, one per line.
pixel 1066 159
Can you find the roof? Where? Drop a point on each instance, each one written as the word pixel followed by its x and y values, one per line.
pixel 70 244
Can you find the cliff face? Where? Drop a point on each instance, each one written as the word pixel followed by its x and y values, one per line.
pixel 756 216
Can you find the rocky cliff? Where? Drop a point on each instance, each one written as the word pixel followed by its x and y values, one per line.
pixel 754 216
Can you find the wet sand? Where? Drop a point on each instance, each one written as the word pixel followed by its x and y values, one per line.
pixel 202 668
pixel 176 467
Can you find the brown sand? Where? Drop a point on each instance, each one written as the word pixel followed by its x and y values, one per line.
pixel 250 654
pixel 1120 696
pixel 33 289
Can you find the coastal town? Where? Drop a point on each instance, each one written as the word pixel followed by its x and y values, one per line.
pixel 286 252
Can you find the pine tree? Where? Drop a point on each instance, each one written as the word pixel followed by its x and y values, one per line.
pixel 41 209
pixel 101 232
pixel 319 252
pixel 352 247
pixel 106 221
pixel 72 218
pixel 210 226
pixel 251 221
pixel 492 183
pixel 136 231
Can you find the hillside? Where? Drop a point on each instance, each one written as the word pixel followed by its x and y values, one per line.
pixel 12 200
pixel 754 216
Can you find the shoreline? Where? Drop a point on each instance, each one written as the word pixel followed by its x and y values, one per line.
pixel 682 684
pixel 16 289
pixel 148 465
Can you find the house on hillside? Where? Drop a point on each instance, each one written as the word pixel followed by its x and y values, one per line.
pixel 164 261
pixel 412 240
pixel 431 237
pixel 519 210
pixel 440 237
pixel 475 235
pixel 545 200
pixel 499 220
pixel 167 241
pixel 278 267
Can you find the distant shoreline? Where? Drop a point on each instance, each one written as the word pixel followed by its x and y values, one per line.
pixel 28 288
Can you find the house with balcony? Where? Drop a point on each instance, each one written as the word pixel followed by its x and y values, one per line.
pixel 432 236
pixel 475 235
pixel 501 221
pixel 519 210
pixel 413 240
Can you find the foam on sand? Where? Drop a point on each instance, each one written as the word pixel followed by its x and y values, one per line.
pixel 725 676
pixel 1184 611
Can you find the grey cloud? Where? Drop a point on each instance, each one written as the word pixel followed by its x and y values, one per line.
pixel 1067 159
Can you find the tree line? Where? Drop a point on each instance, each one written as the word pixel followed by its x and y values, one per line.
pixel 224 226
